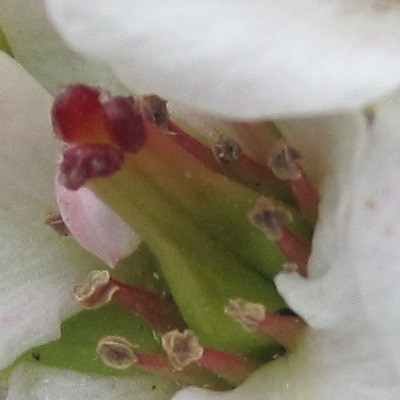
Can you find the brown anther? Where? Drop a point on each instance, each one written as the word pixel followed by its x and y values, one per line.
pixel 95 290
pixel 154 108
pixel 283 161
pixel 182 348
pixel 116 352
pixel 227 151
pixel 269 217
pixel 245 313
pixel 56 222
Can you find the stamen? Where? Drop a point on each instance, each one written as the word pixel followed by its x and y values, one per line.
pixel 78 115
pixel 227 151
pixel 160 312
pixel 56 222
pixel 117 352
pixel 252 316
pixel 85 115
pixel 283 161
pixel 124 124
pixel 81 163
pixel 271 219
pixel 244 170
pixel 95 290
pixel 182 348
pixel 98 288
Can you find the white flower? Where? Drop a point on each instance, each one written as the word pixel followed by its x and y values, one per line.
pixel 246 60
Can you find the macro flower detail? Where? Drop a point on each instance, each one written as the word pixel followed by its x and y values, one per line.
pixel 214 234
pixel 305 311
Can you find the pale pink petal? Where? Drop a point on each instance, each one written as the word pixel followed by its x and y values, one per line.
pixel 242 59
pixel 33 382
pixel 95 226
pixel 37 266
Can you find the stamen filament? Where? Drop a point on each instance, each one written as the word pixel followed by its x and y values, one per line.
pixel 231 367
pixel 295 250
pixel 243 169
pixel 160 312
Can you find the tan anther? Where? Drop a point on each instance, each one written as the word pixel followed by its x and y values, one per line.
pixel 182 348
pixel 116 352
pixel 269 217
pixel 56 222
pixel 283 161
pixel 227 151
pixel 245 313
pixel 154 108
pixel 95 290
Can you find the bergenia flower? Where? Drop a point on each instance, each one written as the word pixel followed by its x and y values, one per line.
pixel 348 349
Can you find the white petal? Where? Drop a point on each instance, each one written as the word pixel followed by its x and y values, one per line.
pixel 41 51
pixel 37 266
pixel 96 227
pixel 242 59
pixel 352 296
pixel 32 382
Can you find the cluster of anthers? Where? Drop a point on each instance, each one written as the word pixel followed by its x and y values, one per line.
pixel 100 132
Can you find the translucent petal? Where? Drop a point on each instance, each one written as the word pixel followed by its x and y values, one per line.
pixel 352 295
pixel 37 266
pixel 242 59
pixel 32 382
pixel 41 51
pixel 95 226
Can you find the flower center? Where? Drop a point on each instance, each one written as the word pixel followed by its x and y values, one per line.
pixel 220 224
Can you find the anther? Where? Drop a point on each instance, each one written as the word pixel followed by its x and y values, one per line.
pixel 95 290
pixel 81 163
pixel 182 348
pixel 283 161
pixel 117 352
pixel 154 109
pixel 227 151
pixel 124 124
pixel 252 316
pixel 245 313
pixel 78 115
pixel 271 219
pixel 56 222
